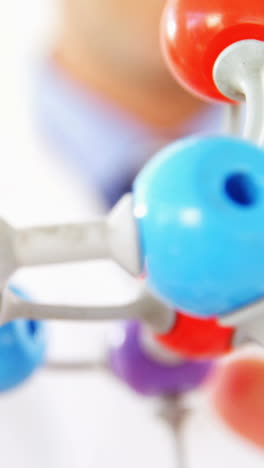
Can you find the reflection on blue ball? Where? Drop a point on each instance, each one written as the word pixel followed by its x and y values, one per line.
pixel 22 350
pixel 200 210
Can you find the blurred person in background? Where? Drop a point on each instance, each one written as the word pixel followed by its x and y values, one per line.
pixel 105 97
pixel 107 102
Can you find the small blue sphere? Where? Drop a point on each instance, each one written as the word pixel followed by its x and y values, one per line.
pixel 22 350
pixel 199 205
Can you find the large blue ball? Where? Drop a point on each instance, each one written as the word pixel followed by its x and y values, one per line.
pixel 200 210
pixel 22 350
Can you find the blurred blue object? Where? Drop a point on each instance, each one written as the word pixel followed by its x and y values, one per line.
pixel 22 350
pixel 200 210
pixel 105 146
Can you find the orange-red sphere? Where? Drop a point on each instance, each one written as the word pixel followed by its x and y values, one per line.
pixel 195 337
pixel 195 32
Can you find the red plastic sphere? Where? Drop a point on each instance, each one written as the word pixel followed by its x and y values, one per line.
pixel 195 32
pixel 199 338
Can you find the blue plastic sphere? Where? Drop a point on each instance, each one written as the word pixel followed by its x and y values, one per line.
pixel 200 210
pixel 22 350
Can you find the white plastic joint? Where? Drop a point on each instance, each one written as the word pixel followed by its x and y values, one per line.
pixel 238 74
pixel 114 237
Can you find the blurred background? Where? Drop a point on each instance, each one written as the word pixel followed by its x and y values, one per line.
pixel 83 106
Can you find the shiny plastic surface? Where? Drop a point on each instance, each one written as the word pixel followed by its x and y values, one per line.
pixel 199 338
pixel 200 209
pixel 195 32
pixel 22 350
pixel 134 366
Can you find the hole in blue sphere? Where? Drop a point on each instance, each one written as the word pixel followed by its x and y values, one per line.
pixel 32 327
pixel 241 189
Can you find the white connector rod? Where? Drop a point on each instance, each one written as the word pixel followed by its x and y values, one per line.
pixel 144 307
pixel 63 243
pixel 239 75
pixel 114 237
pixel 243 314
